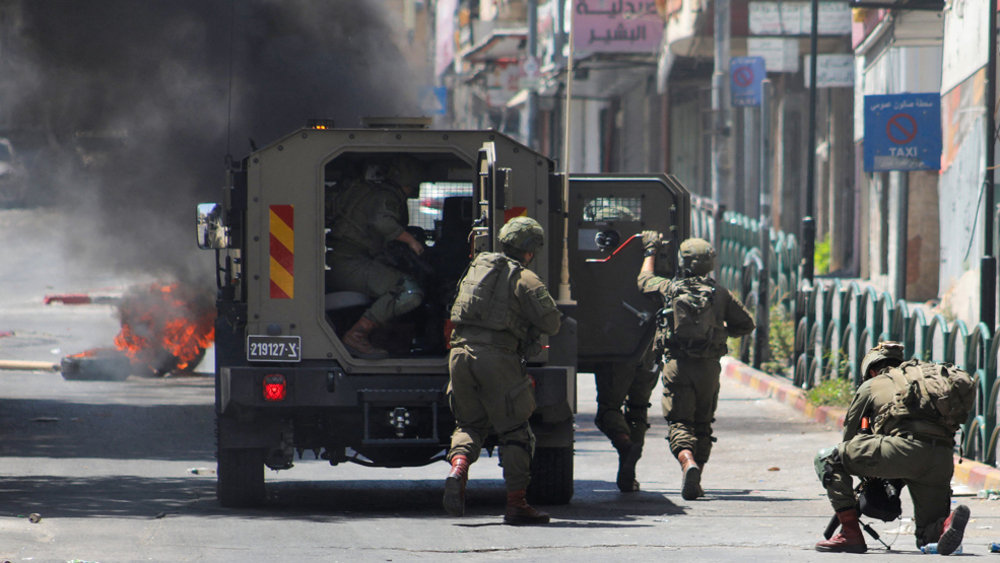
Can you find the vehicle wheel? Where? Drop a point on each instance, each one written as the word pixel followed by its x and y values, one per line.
pixel 551 476
pixel 241 477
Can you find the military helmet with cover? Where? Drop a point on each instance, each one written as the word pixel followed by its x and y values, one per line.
pixel 697 256
pixel 883 355
pixel 523 233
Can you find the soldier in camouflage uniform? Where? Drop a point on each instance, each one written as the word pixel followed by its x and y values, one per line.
pixel 501 309
pixel 917 451
pixel 368 215
pixel 691 373
pixel 628 385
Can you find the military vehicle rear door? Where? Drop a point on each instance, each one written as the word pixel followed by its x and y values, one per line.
pixel 492 196
pixel 607 214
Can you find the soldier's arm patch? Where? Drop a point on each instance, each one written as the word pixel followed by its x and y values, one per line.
pixel 542 294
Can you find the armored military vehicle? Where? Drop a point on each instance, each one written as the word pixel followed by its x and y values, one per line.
pixel 286 386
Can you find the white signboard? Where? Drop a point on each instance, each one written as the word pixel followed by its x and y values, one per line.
pixel 832 71
pixel 779 54
pixel 966 36
pixel 795 18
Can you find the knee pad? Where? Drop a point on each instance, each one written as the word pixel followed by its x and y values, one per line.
pixel 827 460
pixel 409 296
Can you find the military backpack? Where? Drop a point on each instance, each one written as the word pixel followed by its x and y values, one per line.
pixel 688 320
pixel 939 393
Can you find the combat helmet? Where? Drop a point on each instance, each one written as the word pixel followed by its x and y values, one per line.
pixel 883 355
pixel 697 256
pixel 524 234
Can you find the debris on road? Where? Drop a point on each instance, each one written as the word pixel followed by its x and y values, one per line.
pixel 34 518
pixel 19 365
pixel 81 299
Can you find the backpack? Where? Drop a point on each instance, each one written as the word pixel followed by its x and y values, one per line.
pixel 940 393
pixel 690 314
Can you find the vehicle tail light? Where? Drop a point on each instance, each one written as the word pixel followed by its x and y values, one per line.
pixel 274 387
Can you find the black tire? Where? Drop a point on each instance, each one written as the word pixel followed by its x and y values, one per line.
pixel 240 477
pixel 551 476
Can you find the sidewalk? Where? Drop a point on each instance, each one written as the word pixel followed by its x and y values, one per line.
pixel 970 473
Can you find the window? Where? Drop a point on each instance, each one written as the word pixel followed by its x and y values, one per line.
pixel 612 209
pixel 428 207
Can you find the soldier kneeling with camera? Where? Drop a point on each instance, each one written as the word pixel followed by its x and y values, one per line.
pixel 914 409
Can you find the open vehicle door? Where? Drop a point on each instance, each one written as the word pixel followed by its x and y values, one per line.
pixel 607 215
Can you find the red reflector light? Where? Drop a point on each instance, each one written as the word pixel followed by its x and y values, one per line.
pixel 274 387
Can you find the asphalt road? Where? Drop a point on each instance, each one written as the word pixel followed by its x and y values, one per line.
pixel 124 471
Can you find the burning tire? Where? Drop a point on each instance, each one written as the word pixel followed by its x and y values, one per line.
pixel 102 364
pixel 241 477
pixel 166 363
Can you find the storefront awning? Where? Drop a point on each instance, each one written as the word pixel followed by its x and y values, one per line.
pixel 500 44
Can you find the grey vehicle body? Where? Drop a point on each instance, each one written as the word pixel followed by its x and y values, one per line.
pixel 277 321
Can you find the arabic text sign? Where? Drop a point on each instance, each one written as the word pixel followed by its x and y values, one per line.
pixel 780 54
pixel 746 74
pixel 902 132
pixel 832 71
pixel 616 26
pixel 795 18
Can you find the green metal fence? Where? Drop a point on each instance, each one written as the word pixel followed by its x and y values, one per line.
pixel 837 322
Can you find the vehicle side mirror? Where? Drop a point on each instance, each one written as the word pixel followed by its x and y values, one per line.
pixel 212 233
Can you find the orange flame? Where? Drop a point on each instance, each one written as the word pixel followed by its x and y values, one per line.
pixel 165 318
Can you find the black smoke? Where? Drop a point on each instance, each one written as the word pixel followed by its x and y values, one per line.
pixel 126 109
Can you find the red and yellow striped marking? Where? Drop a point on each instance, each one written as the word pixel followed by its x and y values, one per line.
pixel 282 251
pixel 514 212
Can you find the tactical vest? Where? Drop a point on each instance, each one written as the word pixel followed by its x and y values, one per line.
pixel 485 293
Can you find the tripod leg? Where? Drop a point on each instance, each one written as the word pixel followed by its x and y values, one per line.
pixel 871 532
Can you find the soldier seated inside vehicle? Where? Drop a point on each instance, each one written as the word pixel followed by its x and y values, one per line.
pixel 384 294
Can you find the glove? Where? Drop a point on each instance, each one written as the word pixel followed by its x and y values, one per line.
pixel 651 240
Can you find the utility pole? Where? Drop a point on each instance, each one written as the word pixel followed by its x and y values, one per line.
pixel 531 105
pixel 988 267
pixel 721 169
pixel 808 224
pixel 761 344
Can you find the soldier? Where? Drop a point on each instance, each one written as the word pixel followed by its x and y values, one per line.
pixel 698 317
pixel 627 384
pixel 368 215
pixel 501 309
pixel 916 450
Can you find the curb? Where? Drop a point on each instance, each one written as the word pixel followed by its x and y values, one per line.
pixel 970 473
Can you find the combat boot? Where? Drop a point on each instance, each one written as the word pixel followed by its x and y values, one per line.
pixel 628 455
pixel 953 530
pixel 691 483
pixel 850 538
pixel 454 486
pixel 520 513
pixel 356 340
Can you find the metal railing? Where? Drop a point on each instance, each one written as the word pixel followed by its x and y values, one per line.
pixel 837 322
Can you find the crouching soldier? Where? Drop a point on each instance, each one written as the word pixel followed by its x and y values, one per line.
pixel 914 409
